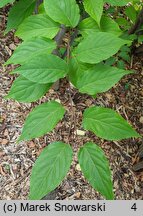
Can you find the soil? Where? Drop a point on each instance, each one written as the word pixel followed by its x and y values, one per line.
pixel 16 160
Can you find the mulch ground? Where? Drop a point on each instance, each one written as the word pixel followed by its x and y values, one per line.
pixel 16 160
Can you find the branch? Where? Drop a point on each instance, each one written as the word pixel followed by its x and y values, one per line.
pixel 138 23
pixel 138 166
pixel 59 39
pixel 71 42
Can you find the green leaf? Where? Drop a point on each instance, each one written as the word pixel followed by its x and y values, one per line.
pixel 75 70
pixel 41 9
pixel 140 38
pixel 19 12
pixel 64 11
pixel 96 79
pixel 99 46
pixel 43 69
pixel 121 64
pixel 123 23
pixel 5 2
pixel 42 120
pixel 89 26
pixel 125 56
pixel 125 49
pixel 117 2
pixel 109 25
pixel 30 49
pixel 107 124
pixel 23 90
pixel 131 13
pixel 94 8
pixel 126 36
pixel 50 169
pixel 111 61
pixel 37 26
pixel 96 170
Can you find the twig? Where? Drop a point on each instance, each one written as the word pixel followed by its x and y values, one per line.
pixel 138 166
pixel 19 180
pixel 116 143
pixel 124 111
pixel 72 116
pixel 131 63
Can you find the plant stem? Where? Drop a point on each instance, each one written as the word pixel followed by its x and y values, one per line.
pixel 59 39
pixel 70 43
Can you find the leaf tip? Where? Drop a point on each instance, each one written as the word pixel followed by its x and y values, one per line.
pixel 7 63
pixel 138 135
pixel 6 31
pixel 19 139
pixel 6 97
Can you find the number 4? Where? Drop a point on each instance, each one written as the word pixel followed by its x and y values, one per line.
pixel 134 207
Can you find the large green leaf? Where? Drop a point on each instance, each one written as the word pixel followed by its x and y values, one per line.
pixel 99 46
pixel 50 169
pixel 29 49
pixel 117 2
pixel 43 69
pixel 96 170
pixel 88 26
pixel 42 120
pixel 23 90
pixel 96 79
pixel 94 8
pixel 37 26
pixel 5 2
pixel 19 12
pixel 107 124
pixel 63 11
